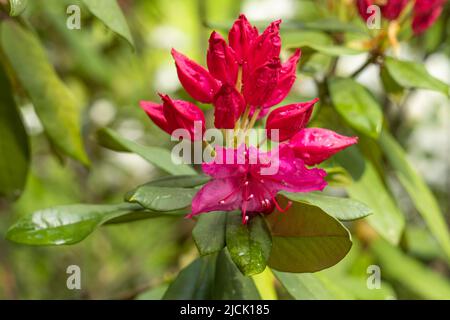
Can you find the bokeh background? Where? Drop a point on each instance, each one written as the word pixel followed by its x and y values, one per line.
pixel 109 78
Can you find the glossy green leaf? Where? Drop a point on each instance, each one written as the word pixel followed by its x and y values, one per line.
pixel 181 181
pixel 65 224
pixel 410 74
pixel 56 107
pixel 303 286
pixel 417 189
pixel 230 283
pixel 159 157
pixel 306 239
pixel 209 232
pixel 16 7
pixel 389 83
pixel 343 209
pixel 112 16
pixel 248 244
pixel 14 144
pixel 367 187
pixel 356 105
pixel 195 282
pixel 410 273
pixel 156 293
pixel 161 198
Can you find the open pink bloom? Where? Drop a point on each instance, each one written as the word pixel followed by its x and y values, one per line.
pixel 175 114
pixel 390 9
pixel 425 13
pixel 315 145
pixel 242 184
pixel 289 119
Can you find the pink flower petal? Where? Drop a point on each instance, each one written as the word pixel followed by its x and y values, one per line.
pixel 196 80
pixel 425 13
pixel 266 46
pixel 315 145
pixel 392 9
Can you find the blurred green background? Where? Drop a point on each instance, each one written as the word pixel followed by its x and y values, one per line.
pixel 109 77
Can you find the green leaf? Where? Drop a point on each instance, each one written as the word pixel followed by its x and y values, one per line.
pixel 153 294
pixel 16 7
pixel 356 105
pixel 341 208
pixel 230 283
pixel 316 41
pixel 389 83
pixel 159 157
pixel 248 244
pixel 333 25
pixel 304 286
pixel 368 188
pixel 161 198
pixel 112 16
pixel 306 239
pixel 410 273
pixel 14 144
pixel 181 181
pixel 65 224
pixel 209 232
pixel 56 107
pixel 195 282
pixel 417 189
pixel 410 74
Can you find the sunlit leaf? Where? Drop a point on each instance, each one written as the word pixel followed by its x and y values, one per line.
pixel 356 105
pixel 112 16
pixel 248 244
pixel 16 7
pixel 304 286
pixel 410 74
pixel 65 224
pixel 343 209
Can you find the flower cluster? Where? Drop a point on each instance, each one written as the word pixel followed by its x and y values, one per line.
pixel 244 79
pixel 424 12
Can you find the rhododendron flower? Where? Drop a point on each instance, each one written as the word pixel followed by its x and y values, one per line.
pixel 243 185
pixel 289 119
pixel 315 145
pixel 425 13
pixel 390 9
pixel 175 114
pixel 250 63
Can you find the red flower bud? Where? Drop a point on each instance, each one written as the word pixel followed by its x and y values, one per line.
pixel 391 9
pixel 425 13
pixel 228 107
pixel 266 46
pixel 241 36
pixel 176 114
pixel 286 80
pixel 315 145
pixel 221 60
pixel 290 119
pixel 196 80
pixel 260 84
